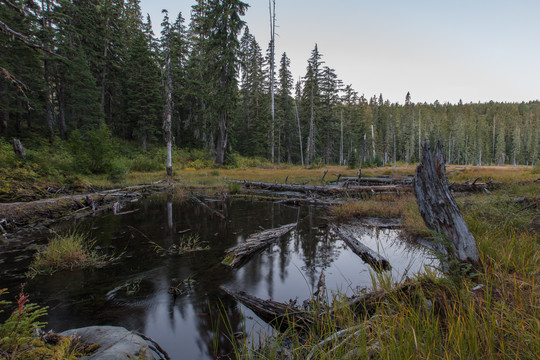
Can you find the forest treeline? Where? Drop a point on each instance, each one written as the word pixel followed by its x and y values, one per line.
pixel 82 65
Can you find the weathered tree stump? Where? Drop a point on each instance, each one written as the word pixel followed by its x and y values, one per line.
pixel 18 148
pixel 438 206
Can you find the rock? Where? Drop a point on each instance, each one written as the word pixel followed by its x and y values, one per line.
pixel 115 343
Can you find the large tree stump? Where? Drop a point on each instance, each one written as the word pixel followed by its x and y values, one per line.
pixel 438 206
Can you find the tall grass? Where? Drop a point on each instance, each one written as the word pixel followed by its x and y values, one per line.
pixel 68 251
pixel 492 312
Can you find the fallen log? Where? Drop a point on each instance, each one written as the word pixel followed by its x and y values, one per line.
pixel 22 213
pixel 379 180
pixel 325 190
pixel 474 187
pixel 367 303
pixel 239 255
pixel 438 206
pixel 308 202
pixel 281 316
pixel 213 211
pixel 371 257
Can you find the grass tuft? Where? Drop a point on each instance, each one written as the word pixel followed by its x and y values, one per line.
pixel 68 251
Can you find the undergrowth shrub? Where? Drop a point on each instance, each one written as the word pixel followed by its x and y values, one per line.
pixel 93 150
pixel 19 335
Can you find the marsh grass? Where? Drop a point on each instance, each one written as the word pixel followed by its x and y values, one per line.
pixel 491 312
pixel 67 251
pixel 386 206
pixel 186 244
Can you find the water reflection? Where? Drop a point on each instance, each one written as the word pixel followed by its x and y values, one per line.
pixel 134 292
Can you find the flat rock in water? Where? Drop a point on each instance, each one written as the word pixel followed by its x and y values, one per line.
pixel 115 343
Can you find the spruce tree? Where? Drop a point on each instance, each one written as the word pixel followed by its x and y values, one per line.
pixel 224 18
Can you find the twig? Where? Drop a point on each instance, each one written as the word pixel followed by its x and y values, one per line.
pixel 140 232
pixel 198 201
pixel 4 232
pixel 156 347
pixel 322 179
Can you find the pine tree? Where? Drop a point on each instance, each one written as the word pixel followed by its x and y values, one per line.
pixel 284 109
pixel 311 98
pixel 224 17
pixel 143 94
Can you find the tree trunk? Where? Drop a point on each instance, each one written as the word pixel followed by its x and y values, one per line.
pixel 299 133
pixel 438 206
pixel 169 109
pixel 272 66
pixel 222 139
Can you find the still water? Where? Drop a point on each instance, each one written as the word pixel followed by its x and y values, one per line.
pixel 134 291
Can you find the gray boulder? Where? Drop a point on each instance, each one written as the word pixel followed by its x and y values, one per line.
pixel 115 343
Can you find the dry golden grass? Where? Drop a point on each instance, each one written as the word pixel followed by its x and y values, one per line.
pixel 385 206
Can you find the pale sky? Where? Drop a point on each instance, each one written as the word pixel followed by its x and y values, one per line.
pixel 474 50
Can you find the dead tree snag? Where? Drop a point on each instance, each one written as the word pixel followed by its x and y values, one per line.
pixel 438 206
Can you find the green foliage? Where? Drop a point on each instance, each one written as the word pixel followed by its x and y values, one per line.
pixel 93 150
pixel 149 161
pixel 185 244
pixel 234 187
pixel 19 339
pixel 353 161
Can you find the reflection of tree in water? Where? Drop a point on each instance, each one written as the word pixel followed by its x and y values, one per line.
pixel 218 320
pixel 318 247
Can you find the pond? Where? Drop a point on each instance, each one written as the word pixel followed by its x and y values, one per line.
pixel 134 291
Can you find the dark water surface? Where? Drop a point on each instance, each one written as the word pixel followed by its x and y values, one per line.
pixel 133 292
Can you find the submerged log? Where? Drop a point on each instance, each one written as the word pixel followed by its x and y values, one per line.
pixel 438 206
pixel 371 257
pixel 213 211
pixel 281 316
pixel 239 255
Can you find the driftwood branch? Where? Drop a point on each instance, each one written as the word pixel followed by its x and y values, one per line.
pixel 281 316
pixel 213 211
pixel 371 257
pixel 156 347
pixel 438 206
pixel 239 255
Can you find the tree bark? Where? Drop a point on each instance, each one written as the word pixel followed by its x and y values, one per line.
pixel 325 190
pixel 438 206
pixel 280 316
pixel 239 255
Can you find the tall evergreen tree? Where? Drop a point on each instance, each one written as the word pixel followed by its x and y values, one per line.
pixel 224 18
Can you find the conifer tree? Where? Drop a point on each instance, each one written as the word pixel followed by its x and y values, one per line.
pixel 224 17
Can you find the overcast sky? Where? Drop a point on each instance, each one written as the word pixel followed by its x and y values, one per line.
pixel 474 50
